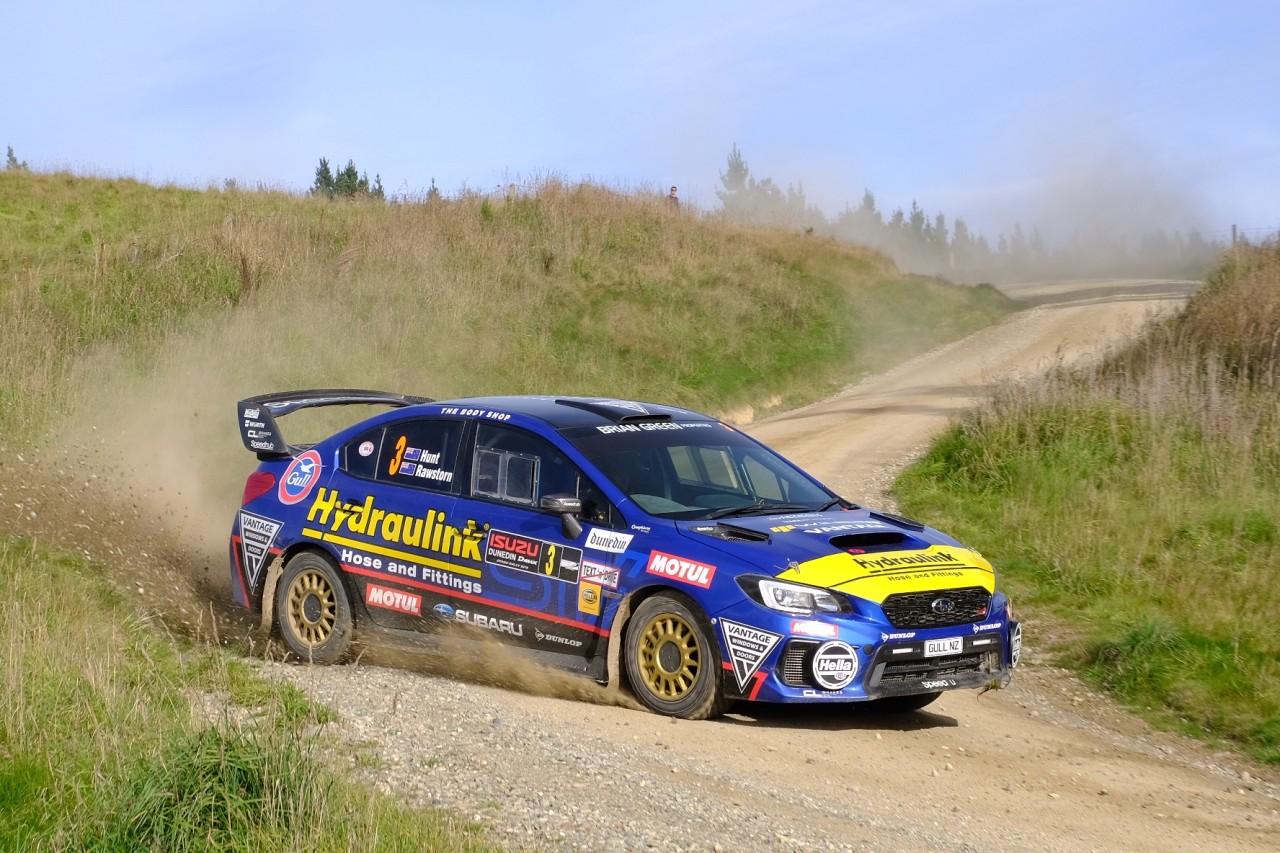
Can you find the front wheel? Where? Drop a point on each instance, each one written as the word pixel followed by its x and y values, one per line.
pixel 312 609
pixel 672 661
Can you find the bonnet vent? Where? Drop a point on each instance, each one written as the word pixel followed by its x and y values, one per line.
pixel 879 540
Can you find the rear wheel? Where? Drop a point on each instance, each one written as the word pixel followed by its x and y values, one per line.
pixel 312 609
pixel 672 660
pixel 902 704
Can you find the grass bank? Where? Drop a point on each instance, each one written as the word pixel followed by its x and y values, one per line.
pixel 114 736
pixel 1134 506
pixel 578 288
pixel 133 317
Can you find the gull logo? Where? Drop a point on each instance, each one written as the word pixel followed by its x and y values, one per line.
pixel 942 606
pixel 299 478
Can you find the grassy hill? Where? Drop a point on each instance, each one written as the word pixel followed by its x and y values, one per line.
pixel 133 317
pixel 1135 508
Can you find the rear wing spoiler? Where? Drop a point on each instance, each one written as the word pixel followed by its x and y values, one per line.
pixel 257 415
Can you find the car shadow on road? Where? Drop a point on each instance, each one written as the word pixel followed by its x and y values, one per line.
pixel 835 717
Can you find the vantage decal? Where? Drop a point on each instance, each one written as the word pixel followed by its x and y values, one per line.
pixel 299 478
pixel 747 647
pixel 393 599
pixel 607 540
pixel 677 568
pixel 525 554
pixel 601 574
pixel 429 532
pixel 257 535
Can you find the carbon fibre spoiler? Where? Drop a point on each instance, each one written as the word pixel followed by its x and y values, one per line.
pixel 257 415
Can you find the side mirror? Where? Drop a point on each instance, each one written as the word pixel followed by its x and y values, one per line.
pixel 568 506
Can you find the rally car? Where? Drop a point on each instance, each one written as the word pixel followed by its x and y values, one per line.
pixel 617 539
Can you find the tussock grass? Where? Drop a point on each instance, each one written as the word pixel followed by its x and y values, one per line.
pixel 572 288
pixel 100 748
pixel 1136 504
pixel 133 317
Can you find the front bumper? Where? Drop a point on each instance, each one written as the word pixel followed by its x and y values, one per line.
pixel 799 667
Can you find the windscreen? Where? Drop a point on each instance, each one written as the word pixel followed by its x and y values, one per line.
pixel 698 470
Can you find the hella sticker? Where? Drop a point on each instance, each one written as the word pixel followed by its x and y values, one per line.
pixel 300 477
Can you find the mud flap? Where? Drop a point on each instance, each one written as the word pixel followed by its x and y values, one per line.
pixel 269 595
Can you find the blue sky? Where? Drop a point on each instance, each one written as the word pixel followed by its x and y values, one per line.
pixel 1060 114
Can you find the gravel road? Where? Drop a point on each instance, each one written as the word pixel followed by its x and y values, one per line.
pixel 549 762
pixel 545 761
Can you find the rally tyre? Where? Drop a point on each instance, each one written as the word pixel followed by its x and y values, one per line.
pixel 903 704
pixel 312 609
pixel 672 660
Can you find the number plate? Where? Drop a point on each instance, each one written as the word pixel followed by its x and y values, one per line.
pixel 945 646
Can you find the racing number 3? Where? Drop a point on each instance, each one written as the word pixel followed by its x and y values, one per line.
pixel 399 457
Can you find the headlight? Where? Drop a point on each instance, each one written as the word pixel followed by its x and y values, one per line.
pixel 794 598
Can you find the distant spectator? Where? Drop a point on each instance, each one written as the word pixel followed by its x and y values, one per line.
pixel 673 198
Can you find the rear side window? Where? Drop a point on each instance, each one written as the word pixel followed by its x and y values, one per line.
pixel 422 454
pixel 516 467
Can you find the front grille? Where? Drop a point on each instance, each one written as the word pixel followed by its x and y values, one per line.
pixel 793 667
pixel 927 669
pixel 908 610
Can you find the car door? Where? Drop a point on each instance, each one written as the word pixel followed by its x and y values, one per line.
pixel 532 562
pixel 389 515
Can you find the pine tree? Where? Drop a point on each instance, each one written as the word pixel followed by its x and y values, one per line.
pixel 13 164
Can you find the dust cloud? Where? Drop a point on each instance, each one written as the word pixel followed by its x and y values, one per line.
pixel 144 476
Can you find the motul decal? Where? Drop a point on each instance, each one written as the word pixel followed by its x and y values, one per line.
pixel 393 599
pixel 678 568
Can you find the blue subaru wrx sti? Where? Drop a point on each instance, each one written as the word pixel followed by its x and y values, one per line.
pixel 616 539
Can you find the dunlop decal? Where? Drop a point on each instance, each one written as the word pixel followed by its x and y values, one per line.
pixel 748 647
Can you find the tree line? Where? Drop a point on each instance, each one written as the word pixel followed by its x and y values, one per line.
pixel 930 245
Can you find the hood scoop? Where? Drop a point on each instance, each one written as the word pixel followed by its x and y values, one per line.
pixel 878 540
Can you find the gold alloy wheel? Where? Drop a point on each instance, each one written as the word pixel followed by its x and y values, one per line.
pixel 312 607
pixel 670 657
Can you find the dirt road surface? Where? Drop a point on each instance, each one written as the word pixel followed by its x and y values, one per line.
pixel 1047 764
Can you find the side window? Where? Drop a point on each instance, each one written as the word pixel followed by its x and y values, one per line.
pixel 422 454
pixel 521 468
pixel 361 454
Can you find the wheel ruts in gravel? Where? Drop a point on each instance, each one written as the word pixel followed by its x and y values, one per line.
pixel 312 609
pixel 672 660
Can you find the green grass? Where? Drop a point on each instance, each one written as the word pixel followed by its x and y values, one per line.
pixel 1135 507
pixel 132 318
pixel 100 748
pixel 574 288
